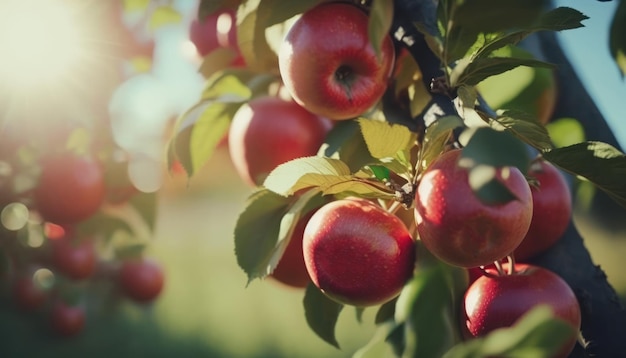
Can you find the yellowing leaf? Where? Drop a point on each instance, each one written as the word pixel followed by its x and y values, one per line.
pixel 302 173
pixel 162 16
pixel 385 140
pixel 135 5
pixel 228 87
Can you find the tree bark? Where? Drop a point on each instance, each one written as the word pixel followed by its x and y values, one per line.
pixel 603 315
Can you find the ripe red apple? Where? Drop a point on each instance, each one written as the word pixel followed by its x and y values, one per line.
pixel 291 269
pixel 357 253
pixel 71 188
pixel 494 301
pixel 268 131
pixel 74 258
pixel 329 65
pixel 27 295
pixel 141 279
pixel 67 320
pixel 552 209
pixel 460 229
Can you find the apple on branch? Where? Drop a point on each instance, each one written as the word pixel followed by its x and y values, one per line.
pixel 329 65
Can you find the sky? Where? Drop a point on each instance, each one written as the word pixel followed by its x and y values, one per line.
pixel 589 52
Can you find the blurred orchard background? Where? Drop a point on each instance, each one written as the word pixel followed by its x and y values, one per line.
pixel 206 308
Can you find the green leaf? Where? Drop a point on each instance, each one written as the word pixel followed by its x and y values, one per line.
pixel 198 132
pixel 385 312
pixel 536 334
pixel 217 63
pixel 251 39
pixel 617 37
pixel 321 314
pixel 146 206
pixel 228 86
pixel 428 308
pixel 566 131
pixel 380 18
pixel 598 162
pixel 257 230
pixel 273 12
pixel 380 172
pixel 436 138
pixel 525 128
pixel 305 172
pixel 561 18
pixel 346 143
pixel 331 176
pixel 497 15
pixel 385 140
pixel 458 43
pixel 482 68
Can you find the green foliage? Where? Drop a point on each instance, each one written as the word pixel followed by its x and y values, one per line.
pixel 321 314
pixel 600 163
pixel 536 334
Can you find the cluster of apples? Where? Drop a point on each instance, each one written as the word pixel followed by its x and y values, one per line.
pixel 51 259
pixel 354 250
pixel 58 175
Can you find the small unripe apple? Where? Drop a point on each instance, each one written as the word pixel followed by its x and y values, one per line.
pixel 329 65
pixel 268 131
pixel 357 253
pixel 460 229
pixel 496 301
pixel 552 210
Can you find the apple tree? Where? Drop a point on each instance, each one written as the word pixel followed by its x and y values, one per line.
pixel 377 143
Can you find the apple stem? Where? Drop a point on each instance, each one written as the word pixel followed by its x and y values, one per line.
pixel 498 266
pixel 393 207
pixel 511 259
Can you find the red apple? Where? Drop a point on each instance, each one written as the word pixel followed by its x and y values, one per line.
pixel 27 294
pixel 329 65
pixel 494 301
pixel 552 210
pixel 291 269
pixel 141 279
pixel 217 30
pixel 67 320
pixel 459 228
pixel 75 259
pixel 269 131
pixel 71 188
pixel 358 254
